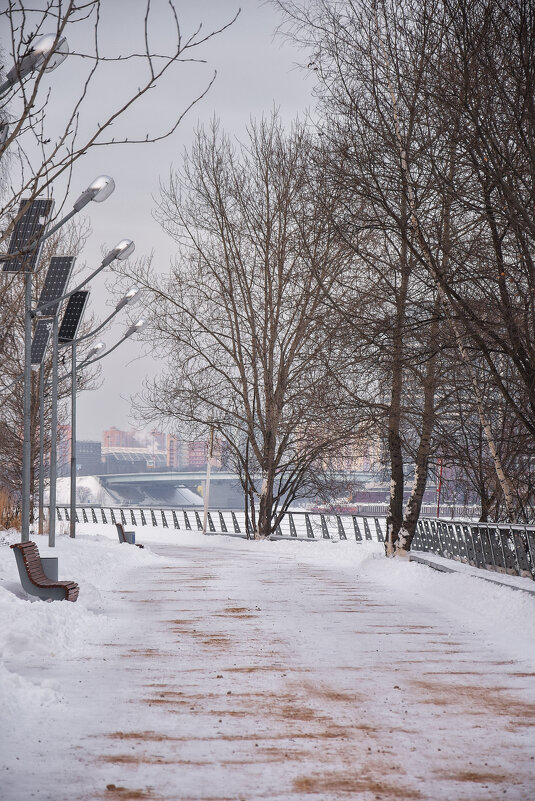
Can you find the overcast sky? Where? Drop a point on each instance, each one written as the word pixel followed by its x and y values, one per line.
pixel 255 72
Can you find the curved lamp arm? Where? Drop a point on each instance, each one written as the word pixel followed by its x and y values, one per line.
pixel 134 329
pixel 121 251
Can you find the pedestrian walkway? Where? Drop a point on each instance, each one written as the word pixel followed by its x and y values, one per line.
pixel 250 676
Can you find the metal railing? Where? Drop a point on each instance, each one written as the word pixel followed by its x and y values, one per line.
pixel 300 525
pixel 502 547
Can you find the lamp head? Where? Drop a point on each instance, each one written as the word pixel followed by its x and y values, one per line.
pixel 100 189
pixel 136 328
pixel 95 350
pixel 39 52
pixel 121 251
pixel 130 297
pixel 124 249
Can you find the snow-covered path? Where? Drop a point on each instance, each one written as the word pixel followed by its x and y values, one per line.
pixel 258 671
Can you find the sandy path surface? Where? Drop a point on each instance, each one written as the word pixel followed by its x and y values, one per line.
pixel 248 677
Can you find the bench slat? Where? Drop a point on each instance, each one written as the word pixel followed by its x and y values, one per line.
pixel 36 574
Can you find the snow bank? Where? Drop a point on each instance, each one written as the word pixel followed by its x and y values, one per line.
pixel 32 627
pixel 88 489
pixel 98 562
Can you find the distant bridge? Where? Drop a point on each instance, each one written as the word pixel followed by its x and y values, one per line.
pixel 175 488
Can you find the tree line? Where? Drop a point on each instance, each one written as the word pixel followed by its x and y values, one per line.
pixel 362 275
pixel 366 273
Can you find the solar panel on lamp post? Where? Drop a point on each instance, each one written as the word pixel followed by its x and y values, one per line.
pixel 54 285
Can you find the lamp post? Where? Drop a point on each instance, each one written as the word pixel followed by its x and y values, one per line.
pixel 207 483
pixel 73 341
pixel 93 352
pixel 91 358
pixel 121 251
pixel 99 190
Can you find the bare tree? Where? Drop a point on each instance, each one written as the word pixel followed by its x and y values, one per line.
pixel 429 109
pixel 242 320
pixel 370 67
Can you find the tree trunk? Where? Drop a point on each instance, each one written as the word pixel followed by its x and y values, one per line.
pixel 414 504
pixel 265 506
pixel 394 518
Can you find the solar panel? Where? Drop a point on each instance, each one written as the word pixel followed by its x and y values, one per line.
pixel 55 282
pixel 73 315
pixel 30 228
pixel 40 340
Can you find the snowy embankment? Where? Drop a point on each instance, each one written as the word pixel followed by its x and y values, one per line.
pixel 170 666
pixel 97 561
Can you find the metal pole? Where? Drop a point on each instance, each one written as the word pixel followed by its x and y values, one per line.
pixel 53 437
pixel 27 401
pixel 207 487
pixel 41 447
pixel 73 442
pixel 439 487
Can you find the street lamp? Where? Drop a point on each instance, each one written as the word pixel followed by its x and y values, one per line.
pixel 28 236
pixel 73 341
pixel 121 251
pixel 96 349
pixel 98 190
pixel 92 357
pixel 94 192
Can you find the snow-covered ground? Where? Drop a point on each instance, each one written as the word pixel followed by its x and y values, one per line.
pixel 217 668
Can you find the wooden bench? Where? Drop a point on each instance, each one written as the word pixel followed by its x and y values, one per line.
pixel 126 536
pixel 33 577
